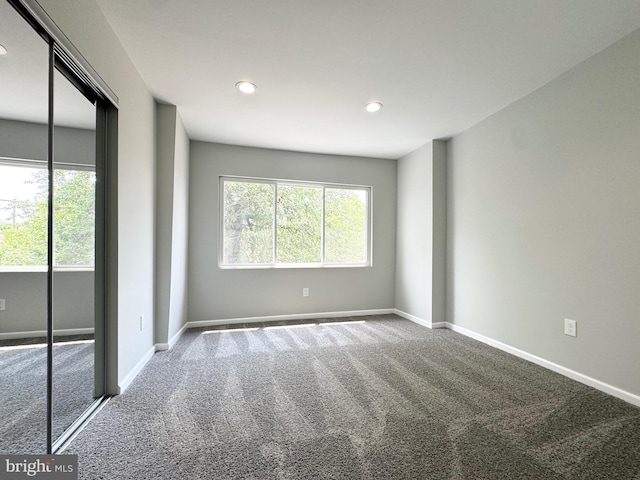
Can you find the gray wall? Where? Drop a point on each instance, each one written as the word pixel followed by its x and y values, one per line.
pixel 172 190
pixel 165 148
pixel 180 231
pixel 25 140
pixel 421 233
pixel 413 235
pixel 544 220
pixel 223 294
pixel 26 302
pixel 85 25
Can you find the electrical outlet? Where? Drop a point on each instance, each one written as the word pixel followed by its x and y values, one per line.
pixel 305 292
pixel 2 304
pixel 141 322
pixel 570 327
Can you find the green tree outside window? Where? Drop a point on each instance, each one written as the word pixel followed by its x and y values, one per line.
pixel 23 223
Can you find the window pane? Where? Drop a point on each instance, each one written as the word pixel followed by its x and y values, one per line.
pixel 248 223
pixel 299 221
pixel 314 224
pixel 74 217
pixel 23 216
pixel 345 226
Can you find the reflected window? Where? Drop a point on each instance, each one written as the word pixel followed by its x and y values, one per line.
pixel 23 216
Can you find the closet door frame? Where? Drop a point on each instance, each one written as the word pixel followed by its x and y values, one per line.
pixel 64 57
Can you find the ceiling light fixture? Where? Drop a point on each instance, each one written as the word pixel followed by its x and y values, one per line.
pixel 373 107
pixel 246 87
pixel 3 51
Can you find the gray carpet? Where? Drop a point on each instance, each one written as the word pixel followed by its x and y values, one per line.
pixel 386 399
pixel 23 391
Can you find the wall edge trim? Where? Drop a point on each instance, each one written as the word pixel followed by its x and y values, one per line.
pixel 162 347
pixel 567 372
pixel 126 381
pixel 43 333
pixel 418 320
pixel 173 340
pixel 295 316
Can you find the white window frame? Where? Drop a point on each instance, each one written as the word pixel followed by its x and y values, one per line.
pixel 295 183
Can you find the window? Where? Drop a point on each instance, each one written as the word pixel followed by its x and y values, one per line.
pixel 270 223
pixel 23 216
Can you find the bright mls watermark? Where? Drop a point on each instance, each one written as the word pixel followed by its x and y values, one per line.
pixel 51 467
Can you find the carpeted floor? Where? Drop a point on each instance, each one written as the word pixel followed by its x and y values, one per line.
pixel 385 399
pixel 23 390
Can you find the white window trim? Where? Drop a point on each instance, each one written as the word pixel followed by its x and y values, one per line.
pixel 44 268
pixel 301 183
pixel 42 164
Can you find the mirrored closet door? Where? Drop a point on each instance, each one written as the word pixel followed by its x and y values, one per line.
pixel 23 235
pixel 53 150
pixel 74 240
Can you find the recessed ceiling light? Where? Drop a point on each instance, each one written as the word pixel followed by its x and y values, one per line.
pixel 373 107
pixel 3 51
pixel 246 87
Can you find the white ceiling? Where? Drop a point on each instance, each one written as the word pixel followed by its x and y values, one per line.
pixel 439 66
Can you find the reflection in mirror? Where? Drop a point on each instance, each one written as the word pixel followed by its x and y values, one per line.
pixel 74 251
pixel 23 236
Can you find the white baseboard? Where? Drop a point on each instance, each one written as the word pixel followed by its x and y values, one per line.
pixel 162 347
pixel 124 384
pixel 43 333
pixel 296 316
pixel 579 377
pixel 592 382
pixel 173 340
pixel 419 321
pixel 159 347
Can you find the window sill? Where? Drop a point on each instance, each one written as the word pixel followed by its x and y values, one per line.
pixel 43 269
pixel 290 266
